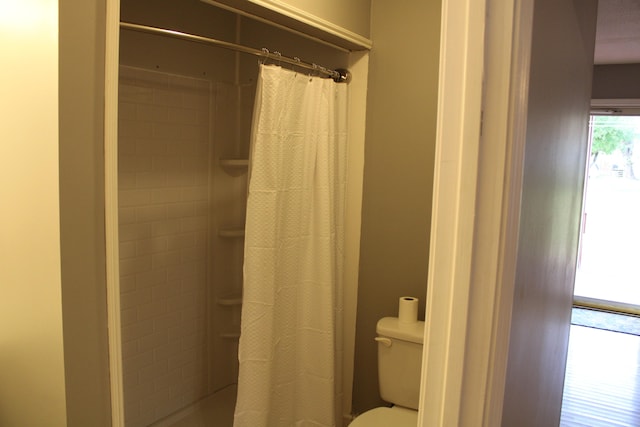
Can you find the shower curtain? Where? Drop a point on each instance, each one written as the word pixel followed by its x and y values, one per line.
pixel 290 347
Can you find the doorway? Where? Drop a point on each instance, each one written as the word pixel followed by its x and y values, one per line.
pixel 603 368
pixel 608 273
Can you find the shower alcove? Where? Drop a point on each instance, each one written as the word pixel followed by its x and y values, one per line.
pixel 184 121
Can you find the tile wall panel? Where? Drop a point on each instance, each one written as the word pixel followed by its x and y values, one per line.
pixel 164 152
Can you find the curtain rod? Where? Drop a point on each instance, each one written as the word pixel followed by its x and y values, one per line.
pixel 339 75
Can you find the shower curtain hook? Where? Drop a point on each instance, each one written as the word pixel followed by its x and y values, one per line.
pixel 295 58
pixel 265 56
pixel 315 69
pixel 278 57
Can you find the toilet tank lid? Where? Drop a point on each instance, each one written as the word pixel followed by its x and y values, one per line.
pixel 392 327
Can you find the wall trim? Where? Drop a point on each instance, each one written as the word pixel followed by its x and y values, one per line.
pixel 359 67
pixel 616 106
pixel 458 128
pixel 483 77
pixel 111 209
pixel 290 18
pixel 508 81
pixel 314 21
pixel 615 102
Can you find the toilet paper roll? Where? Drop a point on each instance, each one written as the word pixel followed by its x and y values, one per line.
pixel 408 310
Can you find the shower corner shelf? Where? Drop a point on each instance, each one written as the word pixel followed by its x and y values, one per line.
pixel 234 167
pixel 234 163
pixel 230 335
pixel 230 300
pixel 231 232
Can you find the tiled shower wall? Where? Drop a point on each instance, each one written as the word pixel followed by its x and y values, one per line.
pixel 164 151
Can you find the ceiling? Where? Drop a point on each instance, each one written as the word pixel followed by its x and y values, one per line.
pixel 618 32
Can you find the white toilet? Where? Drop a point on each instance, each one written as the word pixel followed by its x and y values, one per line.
pixel 399 364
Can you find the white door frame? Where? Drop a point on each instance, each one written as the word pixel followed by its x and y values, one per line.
pixel 482 106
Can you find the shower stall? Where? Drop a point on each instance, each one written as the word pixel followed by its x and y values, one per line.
pixel 184 124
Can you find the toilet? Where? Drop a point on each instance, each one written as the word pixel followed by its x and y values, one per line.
pixel 399 365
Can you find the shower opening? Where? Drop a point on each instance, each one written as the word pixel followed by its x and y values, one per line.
pixel 184 124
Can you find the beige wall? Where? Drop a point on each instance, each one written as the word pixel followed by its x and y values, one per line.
pixel 32 383
pixel 554 167
pixel 398 174
pixel 65 276
pixel 616 81
pixel 82 212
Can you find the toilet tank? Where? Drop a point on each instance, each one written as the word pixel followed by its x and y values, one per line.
pixel 399 361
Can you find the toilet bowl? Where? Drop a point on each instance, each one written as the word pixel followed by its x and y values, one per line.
pixel 387 417
pixel 399 366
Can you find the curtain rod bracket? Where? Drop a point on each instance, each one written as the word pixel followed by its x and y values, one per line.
pixel 344 76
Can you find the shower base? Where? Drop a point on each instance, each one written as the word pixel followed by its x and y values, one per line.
pixel 215 410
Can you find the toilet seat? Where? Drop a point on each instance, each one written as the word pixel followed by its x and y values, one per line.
pixel 387 417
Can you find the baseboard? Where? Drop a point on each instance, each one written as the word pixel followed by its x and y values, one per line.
pixel 346 419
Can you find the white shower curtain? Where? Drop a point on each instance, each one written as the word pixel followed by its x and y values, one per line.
pixel 290 349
